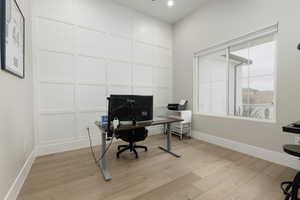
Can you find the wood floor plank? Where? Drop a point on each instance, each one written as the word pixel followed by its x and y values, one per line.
pixel 204 172
pixel 177 189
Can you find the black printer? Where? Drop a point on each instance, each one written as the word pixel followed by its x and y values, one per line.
pixel 292 128
pixel 178 106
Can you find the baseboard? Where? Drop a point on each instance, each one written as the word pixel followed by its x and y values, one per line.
pixel 62 146
pixel 16 187
pixel 74 144
pixel 272 156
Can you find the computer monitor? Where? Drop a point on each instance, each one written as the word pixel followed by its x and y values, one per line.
pixel 131 108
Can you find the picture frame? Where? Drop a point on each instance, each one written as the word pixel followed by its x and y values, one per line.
pixel 12 38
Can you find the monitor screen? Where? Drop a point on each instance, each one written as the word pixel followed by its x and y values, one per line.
pixel 131 107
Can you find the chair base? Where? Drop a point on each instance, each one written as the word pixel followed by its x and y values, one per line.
pixel 131 147
pixel 290 188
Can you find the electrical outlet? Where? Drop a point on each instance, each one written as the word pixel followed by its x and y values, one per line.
pixel 297 140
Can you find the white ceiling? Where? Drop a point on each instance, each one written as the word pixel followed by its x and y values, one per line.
pixel 159 8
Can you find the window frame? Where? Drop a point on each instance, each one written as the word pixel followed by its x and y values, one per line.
pixel 263 32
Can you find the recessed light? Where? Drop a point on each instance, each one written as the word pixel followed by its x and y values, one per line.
pixel 170 3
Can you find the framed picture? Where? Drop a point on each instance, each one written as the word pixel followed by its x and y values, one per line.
pixel 12 45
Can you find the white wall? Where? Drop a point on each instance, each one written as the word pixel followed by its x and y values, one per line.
pixel 16 116
pixel 85 50
pixel 219 21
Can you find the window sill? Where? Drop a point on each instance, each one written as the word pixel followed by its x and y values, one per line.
pixel 273 121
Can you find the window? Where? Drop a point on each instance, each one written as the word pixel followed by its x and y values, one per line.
pixel 237 78
pixel 212 83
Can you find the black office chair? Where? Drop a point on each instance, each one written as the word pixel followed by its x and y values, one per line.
pixel 291 188
pixel 132 136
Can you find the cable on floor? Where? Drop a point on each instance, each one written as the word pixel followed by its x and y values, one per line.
pixel 93 151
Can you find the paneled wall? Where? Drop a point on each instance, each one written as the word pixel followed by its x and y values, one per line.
pixel 85 50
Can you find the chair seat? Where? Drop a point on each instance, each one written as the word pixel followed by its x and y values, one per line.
pixel 136 135
pixel 292 149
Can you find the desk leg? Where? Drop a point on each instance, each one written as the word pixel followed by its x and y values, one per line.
pixel 168 148
pixel 103 162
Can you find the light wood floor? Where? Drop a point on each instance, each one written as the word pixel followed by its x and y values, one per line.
pixel 205 172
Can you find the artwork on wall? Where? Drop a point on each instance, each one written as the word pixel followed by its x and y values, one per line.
pixel 12 38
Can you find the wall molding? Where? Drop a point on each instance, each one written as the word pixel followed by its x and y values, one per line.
pixel 106 32
pixel 141 48
pixel 78 143
pixel 67 145
pixel 16 186
pixel 265 154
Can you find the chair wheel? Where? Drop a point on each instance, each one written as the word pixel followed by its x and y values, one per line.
pixel 136 153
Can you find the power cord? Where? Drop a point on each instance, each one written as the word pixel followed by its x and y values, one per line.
pixel 93 151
